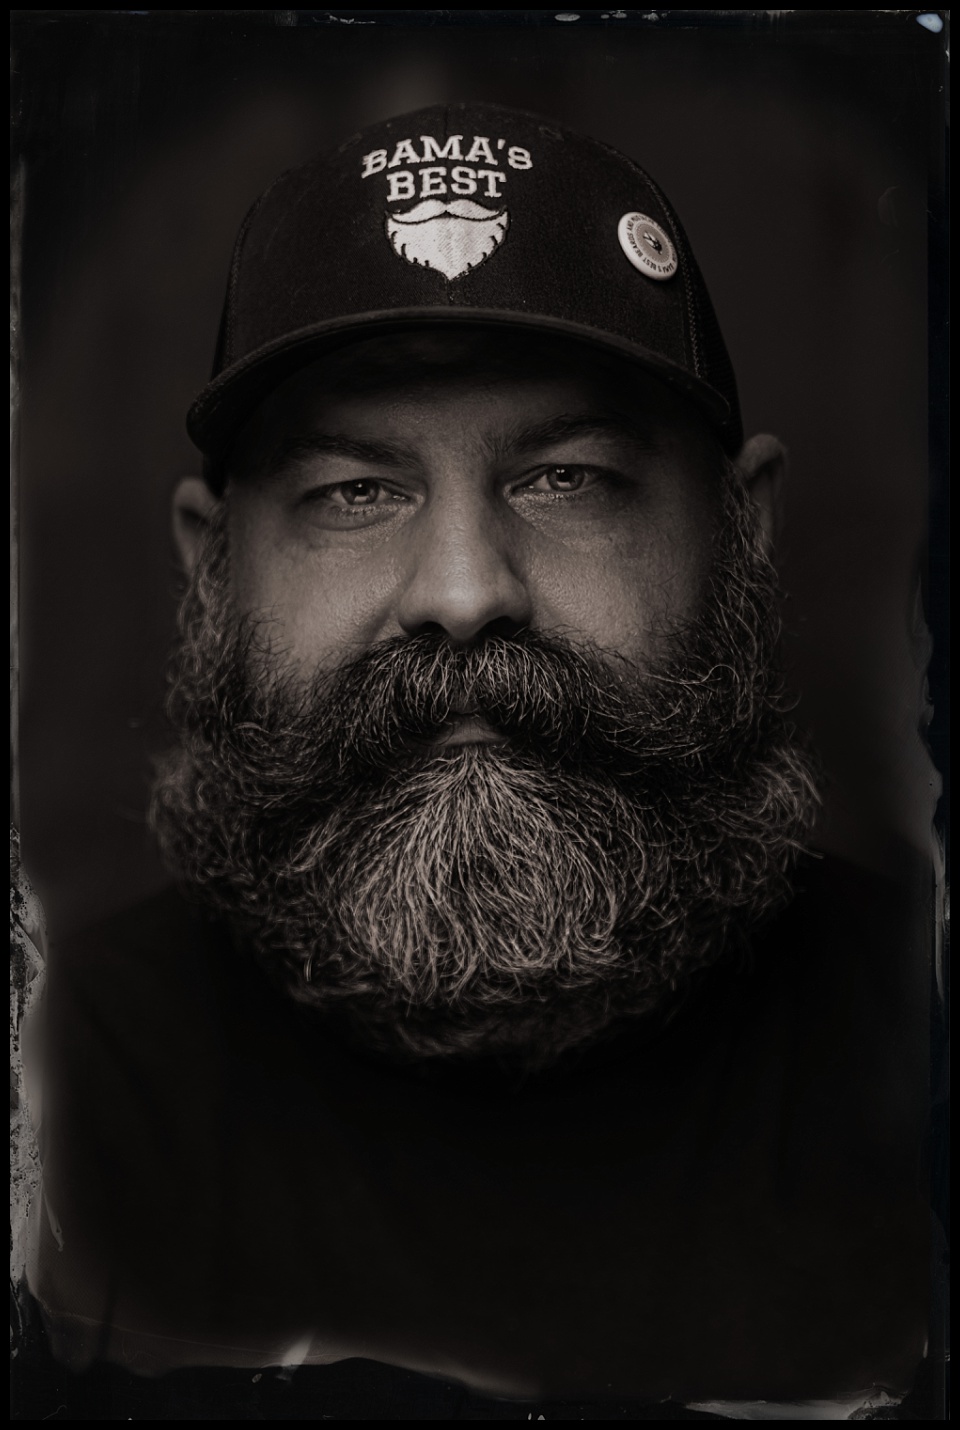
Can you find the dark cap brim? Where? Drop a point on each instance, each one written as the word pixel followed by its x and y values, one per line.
pixel 228 401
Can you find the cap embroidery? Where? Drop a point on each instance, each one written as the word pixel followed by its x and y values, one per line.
pixel 449 229
pixel 452 238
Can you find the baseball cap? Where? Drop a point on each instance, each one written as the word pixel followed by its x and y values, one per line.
pixel 468 214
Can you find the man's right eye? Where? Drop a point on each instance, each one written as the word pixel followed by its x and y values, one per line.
pixel 359 493
pixel 349 499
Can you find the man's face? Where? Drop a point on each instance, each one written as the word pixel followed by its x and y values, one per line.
pixel 483 745
pixel 467 484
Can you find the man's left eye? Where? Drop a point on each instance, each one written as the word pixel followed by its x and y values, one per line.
pixel 562 479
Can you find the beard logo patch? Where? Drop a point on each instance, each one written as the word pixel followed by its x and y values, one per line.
pixel 448 228
pixel 451 238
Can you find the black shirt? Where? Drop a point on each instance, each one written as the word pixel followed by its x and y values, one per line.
pixel 730 1206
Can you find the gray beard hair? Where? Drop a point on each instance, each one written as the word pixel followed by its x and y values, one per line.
pixel 509 901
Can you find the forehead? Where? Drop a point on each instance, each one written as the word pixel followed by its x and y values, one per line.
pixel 482 378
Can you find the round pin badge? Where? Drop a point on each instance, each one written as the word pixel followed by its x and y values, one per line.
pixel 647 246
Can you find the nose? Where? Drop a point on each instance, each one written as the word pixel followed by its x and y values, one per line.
pixel 464 578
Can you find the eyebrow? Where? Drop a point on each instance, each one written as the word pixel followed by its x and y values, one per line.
pixel 518 441
pixel 565 427
pixel 291 450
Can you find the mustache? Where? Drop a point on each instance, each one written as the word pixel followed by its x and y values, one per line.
pixel 541 691
pixel 559 704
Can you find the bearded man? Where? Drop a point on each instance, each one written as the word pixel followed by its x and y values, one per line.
pixel 501 1024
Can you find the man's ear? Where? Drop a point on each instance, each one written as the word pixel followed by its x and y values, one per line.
pixel 762 464
pixel 193 506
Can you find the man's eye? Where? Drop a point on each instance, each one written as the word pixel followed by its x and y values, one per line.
pixel 354 494
pixel 562 479
pixel 347 505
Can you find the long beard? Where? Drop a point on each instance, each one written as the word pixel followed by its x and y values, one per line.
pixel 511 900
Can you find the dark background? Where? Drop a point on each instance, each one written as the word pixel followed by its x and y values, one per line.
pixel 804 153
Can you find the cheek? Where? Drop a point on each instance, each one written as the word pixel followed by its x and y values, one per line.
pixel 320 606
pixel 630 591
